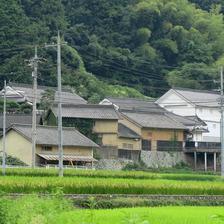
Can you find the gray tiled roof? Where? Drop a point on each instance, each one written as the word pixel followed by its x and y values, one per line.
pixel 47 135
pixel 153 120
pixel 67 95
pixel 135 104
pixel 124 131
pixel 199 97
pixel 17 118
pixel 188 120
pixel 88 111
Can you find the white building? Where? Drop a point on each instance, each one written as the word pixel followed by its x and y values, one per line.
pixel 203 104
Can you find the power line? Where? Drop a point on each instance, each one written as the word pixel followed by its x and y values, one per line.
pixel 152 76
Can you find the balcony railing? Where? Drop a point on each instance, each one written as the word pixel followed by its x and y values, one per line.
pixel 202 145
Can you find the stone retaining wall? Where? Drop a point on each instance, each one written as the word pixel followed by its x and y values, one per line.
pixel 112 164
pixel 155 159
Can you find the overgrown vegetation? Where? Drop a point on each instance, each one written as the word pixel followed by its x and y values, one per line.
pixel 37 210
pixel 126 202
pixel 10 160
pixel 32 209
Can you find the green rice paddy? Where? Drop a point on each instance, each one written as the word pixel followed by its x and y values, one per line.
pixel 162 215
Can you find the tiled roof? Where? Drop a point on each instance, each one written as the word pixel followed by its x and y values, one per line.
pixel 124 131
pixel 135 104
pixel 153 120
pixel 188 120
pixel 17 118
pixel 88 111
pixel 67 95
pixel 199 97
pixel 47 135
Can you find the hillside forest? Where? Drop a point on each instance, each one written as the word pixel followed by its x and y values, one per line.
pixel 133 48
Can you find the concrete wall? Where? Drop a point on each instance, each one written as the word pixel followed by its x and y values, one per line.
pixel 162 159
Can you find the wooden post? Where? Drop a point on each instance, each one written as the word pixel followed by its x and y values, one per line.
pixel 215 159
pixel 195 160
pixel 206 168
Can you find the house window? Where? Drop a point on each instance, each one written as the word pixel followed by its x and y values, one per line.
pixel 124 154
pixel 127 146
pixel 214 126
pixel 46 148
pixel 146 145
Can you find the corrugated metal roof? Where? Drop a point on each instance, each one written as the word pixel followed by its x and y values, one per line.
pixel 51 157
pixel 88 111
pixel 47 135
pixel 124 131
pixel 153 120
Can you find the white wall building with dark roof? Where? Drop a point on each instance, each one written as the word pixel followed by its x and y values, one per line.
pixel 203 104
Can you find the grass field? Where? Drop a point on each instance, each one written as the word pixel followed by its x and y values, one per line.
pixel 82 185
pixel 35 210
pixel 56 209
pixel 181 175
pixel 108 182
pixel 162 215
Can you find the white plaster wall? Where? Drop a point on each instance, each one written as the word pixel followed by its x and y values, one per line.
pixel 173 103
pixel 208 114
pixel 198 137
pixel 211 116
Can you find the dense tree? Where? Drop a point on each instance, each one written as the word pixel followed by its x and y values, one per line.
pixel 148 45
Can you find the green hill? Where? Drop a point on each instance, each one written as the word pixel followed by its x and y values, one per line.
pixel 119 48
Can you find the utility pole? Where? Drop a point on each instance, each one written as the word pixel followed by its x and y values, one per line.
pixel 60 134
pixel 4 131
pixel 34 112
pixel 60 131
pixel 222 123
pixel 33 62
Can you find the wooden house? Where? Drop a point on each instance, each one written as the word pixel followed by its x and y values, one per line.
pixel 78 149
